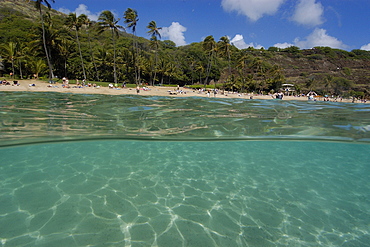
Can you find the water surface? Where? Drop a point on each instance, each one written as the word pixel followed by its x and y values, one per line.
pixel 87 170
pixel 38 117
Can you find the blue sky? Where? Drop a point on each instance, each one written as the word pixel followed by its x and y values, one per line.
pixel 342 24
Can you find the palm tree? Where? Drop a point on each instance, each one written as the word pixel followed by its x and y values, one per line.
pixel 64 48
pixel 48 57
pixel 259 68
pixel 155 34
pixel 131 19
pixel 200 69
pixel 209 45
pixel 224 49
pixel 329 83
pixel 276 77
pixel 102 57
pixel 224 46
pixel 191 65
pixel 171 71
pixel 21 55
pixel 154 30
pixel 311 83
pixel 87 23
pixel 10 53
pixel 163 67
pixel 36 65
pixel 76 23
pixel 1 63
pixel 108 21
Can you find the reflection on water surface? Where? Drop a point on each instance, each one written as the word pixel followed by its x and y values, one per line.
pixel 36 117
pixel 161 171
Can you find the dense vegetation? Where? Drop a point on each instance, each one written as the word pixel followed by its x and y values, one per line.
pixel 59 45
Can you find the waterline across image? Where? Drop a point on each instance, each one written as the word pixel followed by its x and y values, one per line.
pixel 152 172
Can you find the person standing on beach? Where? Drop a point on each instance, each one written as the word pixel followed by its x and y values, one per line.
pixel 279 95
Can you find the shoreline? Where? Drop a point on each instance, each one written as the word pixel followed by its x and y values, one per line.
pixel 41 86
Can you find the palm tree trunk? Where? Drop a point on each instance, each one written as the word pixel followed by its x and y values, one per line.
pixel 51 74
pixel 208 71
pixel 65 66
pixel 20 69
pixel 13 70
pixel 155 76
pixel 155 67
pixel 79 49
pixel 92 57
pixel 114 58
pixel 136 62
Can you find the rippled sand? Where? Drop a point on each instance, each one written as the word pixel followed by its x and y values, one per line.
pixel 135 193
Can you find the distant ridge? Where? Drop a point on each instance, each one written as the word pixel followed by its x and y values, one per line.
pixel 320 68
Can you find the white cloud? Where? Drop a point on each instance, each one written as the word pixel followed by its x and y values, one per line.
pixel 365 47
pixel 319 38
pixel 308 13
pixel 65 11
pixel 175 33
pixel 253 9
pixel 81 9
pixel 238 42
pixel 283 45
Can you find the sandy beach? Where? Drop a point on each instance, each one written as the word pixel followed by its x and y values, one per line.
pixel 40 86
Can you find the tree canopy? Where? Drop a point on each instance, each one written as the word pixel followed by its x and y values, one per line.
pixel 78 48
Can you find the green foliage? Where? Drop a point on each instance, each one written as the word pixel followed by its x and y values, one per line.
pixel 15 27
pixel 361 53
pixel 273 49
pixel 347 71
pixel 108 54
pixel 291 49
pixel 357 94
pixel 315 57
pixel 169 44
pixel 250 48
pixel 332 53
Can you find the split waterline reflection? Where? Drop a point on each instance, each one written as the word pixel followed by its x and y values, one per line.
pixel 224 174
pixel 38 117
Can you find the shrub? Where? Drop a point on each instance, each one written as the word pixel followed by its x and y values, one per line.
pixel 347 71
pixel 315 57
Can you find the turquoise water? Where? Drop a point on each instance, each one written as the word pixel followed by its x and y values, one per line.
pixel 90 170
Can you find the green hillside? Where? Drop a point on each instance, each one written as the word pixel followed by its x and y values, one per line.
pixel 90 52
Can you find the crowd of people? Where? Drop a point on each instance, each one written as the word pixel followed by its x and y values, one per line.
pixel 82 84
pixel 177 90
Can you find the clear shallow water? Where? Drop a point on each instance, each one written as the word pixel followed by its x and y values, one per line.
pixel 182 172
pixel 135 193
